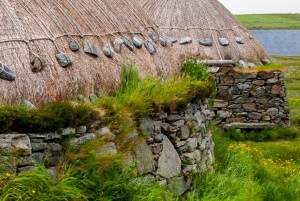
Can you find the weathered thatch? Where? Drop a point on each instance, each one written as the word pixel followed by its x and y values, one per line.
pixel 200 20
pixel 39 42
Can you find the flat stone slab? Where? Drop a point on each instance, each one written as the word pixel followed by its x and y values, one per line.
pixel 249 125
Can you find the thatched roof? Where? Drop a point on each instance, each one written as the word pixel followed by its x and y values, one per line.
pixel 204 19
pixel 36 38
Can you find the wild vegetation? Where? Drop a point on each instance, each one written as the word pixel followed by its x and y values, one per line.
pixel 83 175
pixel 250 171
pixel 259 164
pixel 51 117
pixel 292 79
pixel 256 165
pixel 270 21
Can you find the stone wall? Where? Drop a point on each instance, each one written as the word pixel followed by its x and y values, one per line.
pixel 167 146
pixel 250 99
pixel 180 143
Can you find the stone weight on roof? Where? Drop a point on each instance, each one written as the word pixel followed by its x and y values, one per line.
pixel 38 38
pixel 221 35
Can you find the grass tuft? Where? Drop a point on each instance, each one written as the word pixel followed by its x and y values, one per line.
pixel 38 185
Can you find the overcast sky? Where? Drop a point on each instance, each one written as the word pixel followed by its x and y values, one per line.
pixel 262 6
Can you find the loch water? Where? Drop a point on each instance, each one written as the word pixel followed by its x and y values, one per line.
pixel 279 42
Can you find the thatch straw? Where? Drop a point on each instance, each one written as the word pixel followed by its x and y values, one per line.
pixel 37 30
pixel 201 19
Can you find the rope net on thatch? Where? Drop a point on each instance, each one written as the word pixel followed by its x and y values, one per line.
pixel 207 21
pixel 57 49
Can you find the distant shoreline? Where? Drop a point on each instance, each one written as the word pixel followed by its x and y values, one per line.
pixel 270 21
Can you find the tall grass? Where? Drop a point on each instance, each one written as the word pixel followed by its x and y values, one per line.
pixel 38 185
pixel 292 79
pixel 250 171
pixel 119 183
pixel 262 135
pixel 137 98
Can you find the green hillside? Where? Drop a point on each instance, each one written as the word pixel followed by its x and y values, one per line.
pixel 270 21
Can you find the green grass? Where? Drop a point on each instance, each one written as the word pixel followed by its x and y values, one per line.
pixel 138 98
pixel 268 170
pixel 270 21
pixel 292 79
pixel 93 177
pixel 52 117
pixel 265 171
pixel 38 185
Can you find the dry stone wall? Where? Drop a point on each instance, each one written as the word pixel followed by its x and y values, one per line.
pixel 180 143
pixel 167 146
pixel 250 99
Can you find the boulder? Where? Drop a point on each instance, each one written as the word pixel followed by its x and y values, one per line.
pixel 265 75
pixel 107 149
pixel 152 36
pixel 223 41
pixel 250 107
pixel 144 158
pixel 108 50
pixel 150 46
pixel 179 185
pixel 185 40
pixel 118 42
pixel 68 131
pixel 223 114
pixel 137 42
pixel 239 40
pixel 74 45
pixel 220 103
pixel 6 73
pixel 128 43
pixel 38 63
pixel 206 42
pixel 15 144
pixel 81 140
pixel 64 60
pixel 53 154
pixel 90 48
pixel 272 111
pixel 28 104
pixel 169 163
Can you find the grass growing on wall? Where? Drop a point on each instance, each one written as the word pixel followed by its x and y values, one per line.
pixel 89 176
pixel 51 117
pixel 244 170
pixel 137 98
